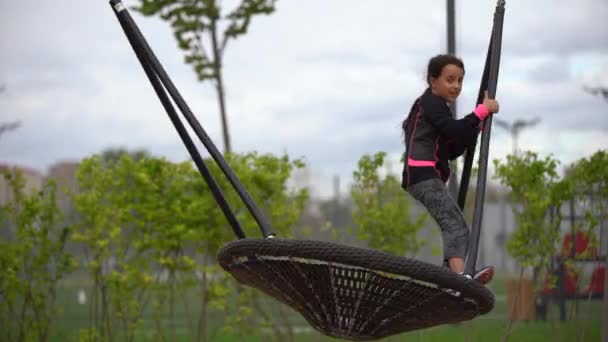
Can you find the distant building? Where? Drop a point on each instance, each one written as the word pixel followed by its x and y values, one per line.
pixel 64 174
pixel 33 181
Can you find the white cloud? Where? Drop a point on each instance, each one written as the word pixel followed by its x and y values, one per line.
pixel 325 80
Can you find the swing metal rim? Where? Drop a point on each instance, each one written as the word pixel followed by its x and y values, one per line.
pixel 234 253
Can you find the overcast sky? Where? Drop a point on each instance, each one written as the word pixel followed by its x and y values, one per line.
pixel 328 80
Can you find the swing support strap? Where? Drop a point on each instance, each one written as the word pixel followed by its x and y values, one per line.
pixel 489 81
pixel 162 84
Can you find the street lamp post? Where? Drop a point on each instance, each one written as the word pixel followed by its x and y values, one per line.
pixel 515 129
pixel 451 47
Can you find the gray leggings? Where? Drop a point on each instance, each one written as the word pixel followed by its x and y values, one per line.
pixel 432 193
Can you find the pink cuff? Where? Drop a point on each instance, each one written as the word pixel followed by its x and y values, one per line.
pixel 481 111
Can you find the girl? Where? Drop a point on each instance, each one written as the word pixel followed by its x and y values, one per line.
pixel 433 137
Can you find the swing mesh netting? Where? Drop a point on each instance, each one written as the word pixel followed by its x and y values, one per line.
pixel 354 293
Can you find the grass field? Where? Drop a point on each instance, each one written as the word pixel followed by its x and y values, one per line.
pixel 491 327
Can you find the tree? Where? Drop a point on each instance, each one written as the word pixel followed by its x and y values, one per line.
pixel 589 179
pixel 535 191
pixel 33 259
pixel 143 220
pixel 151 230
pixel 535 188
pixel 192 22
pixel 382 210
pixel 602 91
pixel 265 176
pixel 124 207
pixel 114 154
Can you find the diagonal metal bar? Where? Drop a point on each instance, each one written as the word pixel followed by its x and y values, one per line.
pixel 127 22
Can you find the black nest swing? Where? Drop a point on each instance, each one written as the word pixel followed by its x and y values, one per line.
pixel 342 291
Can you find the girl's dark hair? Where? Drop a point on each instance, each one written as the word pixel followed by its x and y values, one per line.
pixel 437 63
pixel 433 70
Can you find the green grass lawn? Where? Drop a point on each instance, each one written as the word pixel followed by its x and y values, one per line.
pixel 490 327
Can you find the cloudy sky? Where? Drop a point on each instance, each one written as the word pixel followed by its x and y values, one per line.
pixel 327 80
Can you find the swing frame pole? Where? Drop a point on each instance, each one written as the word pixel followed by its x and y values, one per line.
pixel 470 151
pixel 158 78
pixel 485 139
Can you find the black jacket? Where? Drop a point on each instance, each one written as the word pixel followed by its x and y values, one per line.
pixel 433 137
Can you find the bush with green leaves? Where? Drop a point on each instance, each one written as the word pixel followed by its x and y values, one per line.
pixel 538 194
pixel 33 258
pixel 151 229
pixel 535 188
pixel 536 191
pixel 382 210
pixel 589 180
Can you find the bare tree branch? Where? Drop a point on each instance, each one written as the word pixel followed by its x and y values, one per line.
pixel 7 127
pixel 601 91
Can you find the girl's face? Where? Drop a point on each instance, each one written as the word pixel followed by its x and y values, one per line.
pixel 449 84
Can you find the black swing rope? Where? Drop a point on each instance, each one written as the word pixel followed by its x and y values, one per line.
pixel 156 74
pixel 342 291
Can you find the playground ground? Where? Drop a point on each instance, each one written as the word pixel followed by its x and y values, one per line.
pixel 583 323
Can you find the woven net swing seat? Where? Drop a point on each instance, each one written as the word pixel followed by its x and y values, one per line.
pixel 354 293
pixel 342 291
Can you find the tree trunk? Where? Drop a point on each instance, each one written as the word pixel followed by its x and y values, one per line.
pixel 287 324
pixel 202 324
pixel 507 333
pixel 275 327
pixel 94 307
pixel 604 242
pixel 220 87
pixel 105 314
pixel 172 304
pixel 605 319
